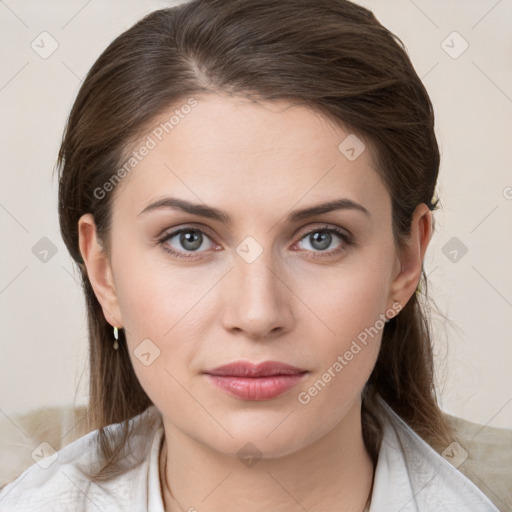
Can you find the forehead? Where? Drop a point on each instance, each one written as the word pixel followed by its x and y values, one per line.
pixel 234 149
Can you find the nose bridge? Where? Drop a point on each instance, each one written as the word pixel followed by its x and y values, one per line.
pixel 258 301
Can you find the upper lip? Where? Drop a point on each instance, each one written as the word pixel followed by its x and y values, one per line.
pixel 248 369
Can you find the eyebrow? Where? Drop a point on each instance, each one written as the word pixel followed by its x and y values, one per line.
pixel 216 214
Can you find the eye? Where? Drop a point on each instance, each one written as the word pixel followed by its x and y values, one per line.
pixel 184 242
pixel 188 240
pixel 322 238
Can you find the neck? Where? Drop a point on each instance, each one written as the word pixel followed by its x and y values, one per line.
pixel 335 473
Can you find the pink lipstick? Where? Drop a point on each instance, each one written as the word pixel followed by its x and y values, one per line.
pixel 250 381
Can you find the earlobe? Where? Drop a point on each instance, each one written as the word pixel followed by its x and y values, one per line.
pixel 99 269
pixel 411 256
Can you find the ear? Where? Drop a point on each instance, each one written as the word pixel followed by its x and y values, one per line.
pixel 410 258
pixel 99 270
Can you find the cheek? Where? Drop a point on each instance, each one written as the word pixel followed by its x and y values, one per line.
pixel 345 301
pixel 349 310
pixel 153 296
pixel 160 334
pixel 160 307
pixel 345 361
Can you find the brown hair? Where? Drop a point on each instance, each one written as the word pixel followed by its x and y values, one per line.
pixel 331 55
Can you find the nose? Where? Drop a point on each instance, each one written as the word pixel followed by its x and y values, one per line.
pixel 258 300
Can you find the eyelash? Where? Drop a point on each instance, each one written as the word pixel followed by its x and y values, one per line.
pixel 347 241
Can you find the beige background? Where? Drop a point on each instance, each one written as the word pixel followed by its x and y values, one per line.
pixel 44 352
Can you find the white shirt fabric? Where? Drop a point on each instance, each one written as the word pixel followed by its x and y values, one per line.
pixel 409 477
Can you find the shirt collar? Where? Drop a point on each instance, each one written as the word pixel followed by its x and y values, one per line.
pixel 411 476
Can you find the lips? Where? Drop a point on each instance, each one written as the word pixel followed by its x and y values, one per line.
pixel 249 381
pixel 247 369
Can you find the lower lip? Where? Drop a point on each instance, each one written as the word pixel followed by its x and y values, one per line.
pixel 256 388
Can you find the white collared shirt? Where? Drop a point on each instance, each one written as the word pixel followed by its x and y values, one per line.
pixel 410 476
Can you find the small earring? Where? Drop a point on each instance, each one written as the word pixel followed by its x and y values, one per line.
pixel 116 336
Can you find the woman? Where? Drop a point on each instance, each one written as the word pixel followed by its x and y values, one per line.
pixel 247 188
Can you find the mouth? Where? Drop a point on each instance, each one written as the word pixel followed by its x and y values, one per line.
pixel 250 381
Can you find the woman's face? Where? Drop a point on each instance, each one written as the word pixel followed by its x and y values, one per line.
pixel 257 281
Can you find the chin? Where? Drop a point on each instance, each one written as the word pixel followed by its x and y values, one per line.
pixel 261 435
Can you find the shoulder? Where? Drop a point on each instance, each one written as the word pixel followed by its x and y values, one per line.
pixel 26 435
pixel 421 478
pixel 484 455
pixel 60 481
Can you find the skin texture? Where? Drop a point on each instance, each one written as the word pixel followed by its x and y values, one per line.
pixel 257 162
